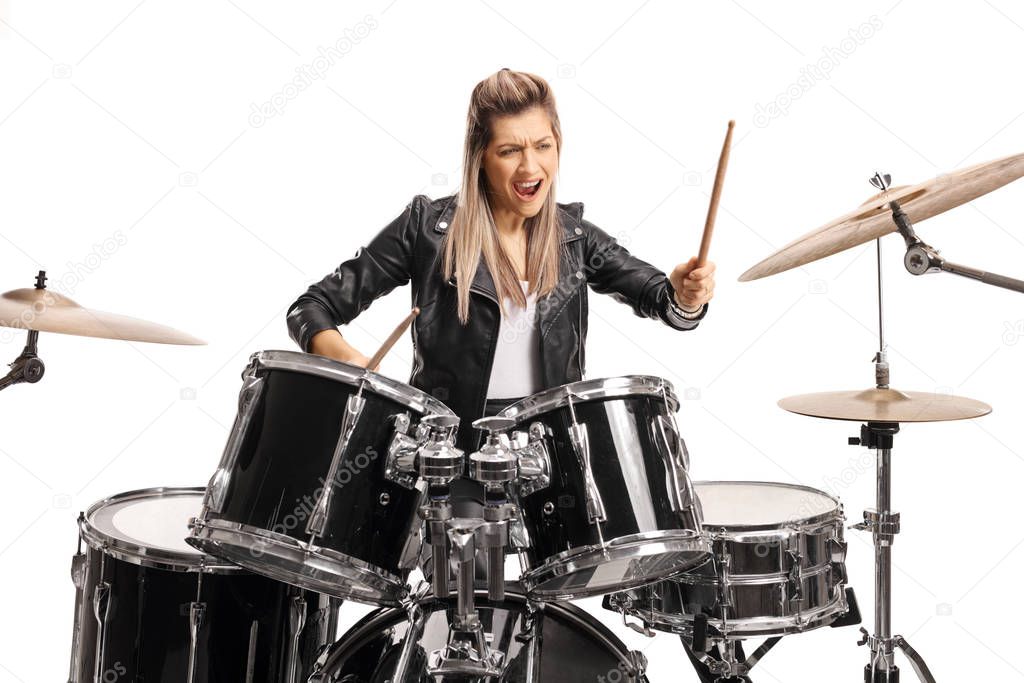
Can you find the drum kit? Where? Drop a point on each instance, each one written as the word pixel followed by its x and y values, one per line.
pixel 334 478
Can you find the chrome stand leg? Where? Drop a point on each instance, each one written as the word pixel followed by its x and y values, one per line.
pixel 884 524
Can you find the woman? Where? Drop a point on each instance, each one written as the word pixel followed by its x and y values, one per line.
pixel 503 238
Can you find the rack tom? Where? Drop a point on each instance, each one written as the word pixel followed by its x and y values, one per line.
pixel 316 487
pixel 607 503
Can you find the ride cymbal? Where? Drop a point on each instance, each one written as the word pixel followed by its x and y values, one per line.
pixel 885 405
pixel 45 310
pixel 874 218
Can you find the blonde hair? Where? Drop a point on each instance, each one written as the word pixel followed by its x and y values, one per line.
pixel 472 233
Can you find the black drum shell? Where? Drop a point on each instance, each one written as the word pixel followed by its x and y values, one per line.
pixel 627 503
pixel 766 599
pixel 285 457
pixel 575 647
pixel 147 632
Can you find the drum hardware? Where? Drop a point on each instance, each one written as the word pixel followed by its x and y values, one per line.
pixel 922 259
pixel 495 466
pixel 881 411
pixel 467 652
pixel 580 440
pixel 296 622
pixel 440 463
pixel 79 578
pixel 196 616
pixel 353 409
pixel 101 612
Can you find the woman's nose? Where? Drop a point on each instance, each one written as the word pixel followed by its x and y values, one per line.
pixel 528 163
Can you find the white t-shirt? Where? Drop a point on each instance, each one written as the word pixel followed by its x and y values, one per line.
pixel 516 369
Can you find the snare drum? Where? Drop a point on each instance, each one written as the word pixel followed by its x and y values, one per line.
pixel 316 486
pixel 149 607
pixel 614 505
pixel 778 565
pixel 559 642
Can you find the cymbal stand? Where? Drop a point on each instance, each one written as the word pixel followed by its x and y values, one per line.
pixel 881 521
pixel 27 367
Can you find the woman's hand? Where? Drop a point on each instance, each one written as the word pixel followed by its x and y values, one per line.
pixel 693 286
pixel 330 343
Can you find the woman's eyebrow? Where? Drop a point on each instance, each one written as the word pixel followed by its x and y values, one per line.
pixel 516 144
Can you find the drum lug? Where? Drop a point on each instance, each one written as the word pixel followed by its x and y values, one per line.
pixel 101 612
pixel 534 461
pixel 79 577
pixel 795 581
pixel 580 440
pixel 248 398
pixel 723 564
pixel 196 617
pixel 318 518
pixel 677 464
pixel 296 622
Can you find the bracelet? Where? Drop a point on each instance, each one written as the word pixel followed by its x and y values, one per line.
pixel 682 312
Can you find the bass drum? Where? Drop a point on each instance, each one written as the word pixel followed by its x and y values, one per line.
pixel 565 644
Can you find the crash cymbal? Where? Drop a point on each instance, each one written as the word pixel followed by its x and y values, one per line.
pixel 47 311
pixel 885 405
pixel 874 217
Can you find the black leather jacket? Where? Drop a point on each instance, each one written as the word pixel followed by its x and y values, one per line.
pixel 453 362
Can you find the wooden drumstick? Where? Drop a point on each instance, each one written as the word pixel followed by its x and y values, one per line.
pixel 390 341
pixel 716 193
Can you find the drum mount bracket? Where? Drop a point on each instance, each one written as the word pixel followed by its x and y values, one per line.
pixel 27 367
pixel 922 258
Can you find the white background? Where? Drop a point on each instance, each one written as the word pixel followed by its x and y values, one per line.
pixel 130 122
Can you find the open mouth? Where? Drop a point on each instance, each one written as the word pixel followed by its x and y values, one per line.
pixel 527 190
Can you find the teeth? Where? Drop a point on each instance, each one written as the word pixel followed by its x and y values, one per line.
pixel 527 186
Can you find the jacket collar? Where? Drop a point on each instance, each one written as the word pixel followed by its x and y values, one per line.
pixel 571 216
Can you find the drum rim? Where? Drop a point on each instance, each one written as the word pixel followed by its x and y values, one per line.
pixel 321 366
pixel 214 532
pixel 372 623
pixel 620 386
pixel 585 557
pixel 155 558
pixel 797 524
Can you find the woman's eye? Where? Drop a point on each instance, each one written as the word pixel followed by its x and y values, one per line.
pixel 545 145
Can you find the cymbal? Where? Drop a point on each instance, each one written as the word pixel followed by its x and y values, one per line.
pixel 885 405
pixel 873 218
pixel 47 311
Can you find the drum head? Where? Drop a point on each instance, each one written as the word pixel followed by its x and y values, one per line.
pixel 148 527
pixel 738 505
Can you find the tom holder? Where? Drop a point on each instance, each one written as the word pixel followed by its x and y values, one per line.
pixel 439 464
pixel 467 653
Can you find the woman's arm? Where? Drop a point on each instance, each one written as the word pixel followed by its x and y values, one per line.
pixel 610 269
pixel 376 269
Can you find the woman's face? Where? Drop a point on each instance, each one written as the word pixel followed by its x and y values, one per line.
pixel 521 153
